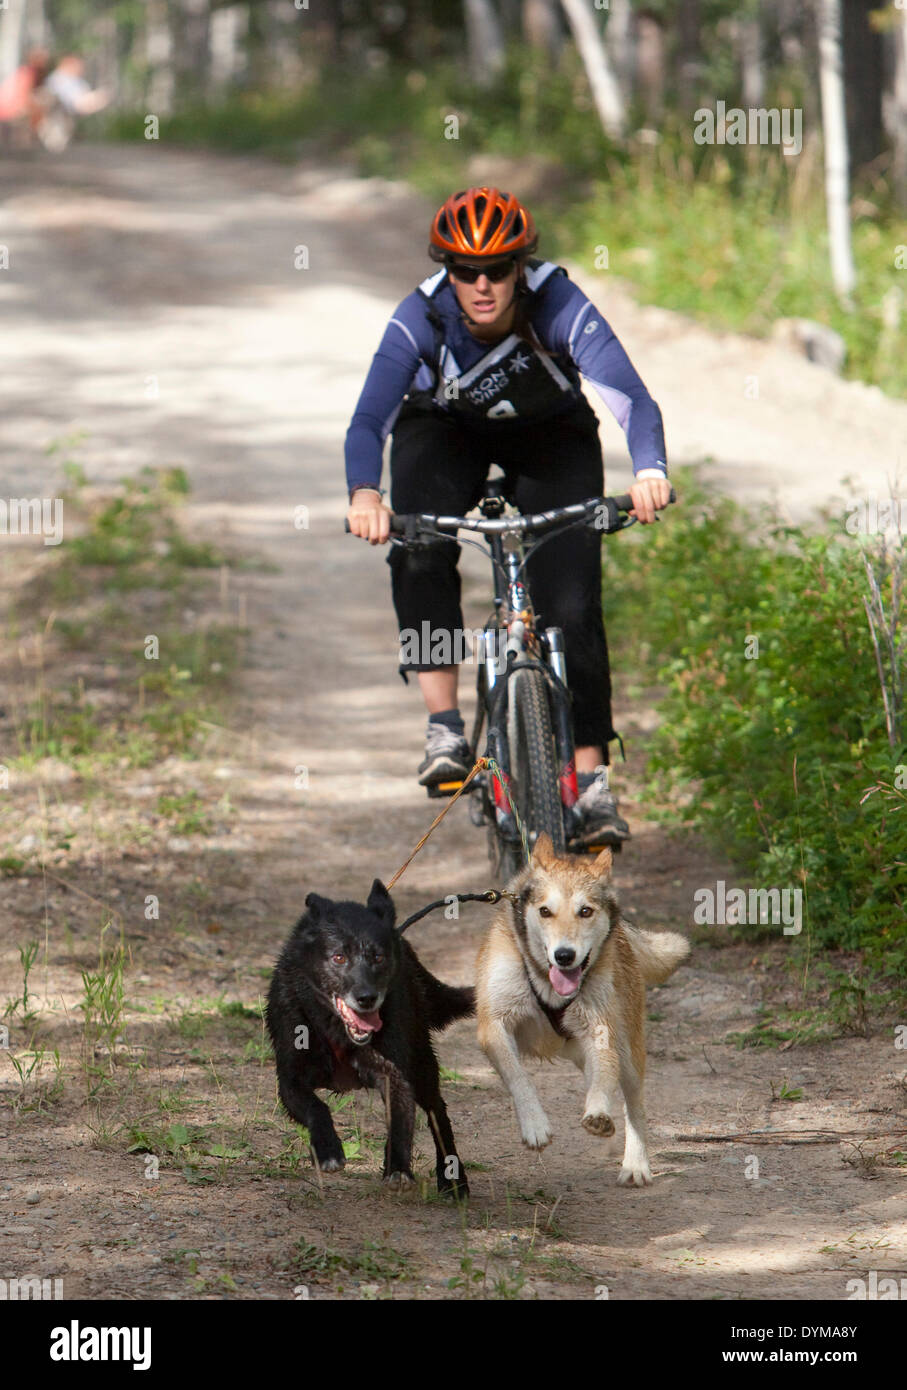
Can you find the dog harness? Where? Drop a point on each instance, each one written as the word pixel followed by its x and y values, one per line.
pixel 554 1015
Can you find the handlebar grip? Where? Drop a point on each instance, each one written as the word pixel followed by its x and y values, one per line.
pixel 625 501
pixel 396 526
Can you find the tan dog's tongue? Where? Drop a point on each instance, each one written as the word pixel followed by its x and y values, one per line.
pixel 565 981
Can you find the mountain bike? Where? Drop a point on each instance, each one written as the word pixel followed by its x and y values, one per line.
pixel 523 701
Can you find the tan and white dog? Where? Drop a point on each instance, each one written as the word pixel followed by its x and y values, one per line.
pixel 562 973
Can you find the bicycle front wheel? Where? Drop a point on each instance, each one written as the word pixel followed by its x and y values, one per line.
pixel 533 766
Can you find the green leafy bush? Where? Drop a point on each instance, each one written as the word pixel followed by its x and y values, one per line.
pixel 772 722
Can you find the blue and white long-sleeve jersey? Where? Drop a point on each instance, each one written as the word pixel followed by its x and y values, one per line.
pixel 566 324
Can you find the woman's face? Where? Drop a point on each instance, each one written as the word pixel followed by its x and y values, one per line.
pixel 487 300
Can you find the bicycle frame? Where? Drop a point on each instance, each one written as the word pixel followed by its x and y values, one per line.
pixel 524 648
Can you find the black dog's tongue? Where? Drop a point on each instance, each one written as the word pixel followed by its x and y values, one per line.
pixel 364 1023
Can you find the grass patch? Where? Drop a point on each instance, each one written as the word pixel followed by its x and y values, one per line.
pixel 185 811
pixel 116 592
pixel 372 1261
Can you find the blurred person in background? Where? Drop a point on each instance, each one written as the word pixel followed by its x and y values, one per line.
pixel 67 85
pixel 20 94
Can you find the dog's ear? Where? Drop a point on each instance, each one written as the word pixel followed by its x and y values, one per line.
pixel 318 906
pixel 543 851
pixel 601 867
pixel 381 903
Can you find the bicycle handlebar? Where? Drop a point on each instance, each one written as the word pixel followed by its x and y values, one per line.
pixel 410 524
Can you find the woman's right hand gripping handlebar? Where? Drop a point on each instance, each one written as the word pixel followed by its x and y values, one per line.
pixel 368 517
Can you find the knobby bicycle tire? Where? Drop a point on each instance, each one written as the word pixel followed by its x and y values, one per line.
pixel 533 765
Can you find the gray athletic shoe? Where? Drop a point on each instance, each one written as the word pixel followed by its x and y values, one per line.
pixel 446 756
pixel 601 823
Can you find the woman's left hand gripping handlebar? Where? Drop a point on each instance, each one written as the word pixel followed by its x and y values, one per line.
pixel 649 496
pixel 368 517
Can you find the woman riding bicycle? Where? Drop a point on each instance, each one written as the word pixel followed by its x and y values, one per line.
pixel 482 364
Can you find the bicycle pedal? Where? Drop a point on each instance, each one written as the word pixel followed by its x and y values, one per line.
pixel 574 848
pixel 442 789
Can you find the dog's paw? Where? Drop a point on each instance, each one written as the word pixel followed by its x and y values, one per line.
pixel 331 1164
pixel 399 1182
pixel 635 1177
pixel 535 1130
pixel 600 1125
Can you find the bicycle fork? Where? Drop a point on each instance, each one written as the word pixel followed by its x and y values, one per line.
pixel 561 724
pixel 562 728
pixel 497 744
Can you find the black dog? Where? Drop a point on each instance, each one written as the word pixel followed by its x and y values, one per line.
pixel 350 1005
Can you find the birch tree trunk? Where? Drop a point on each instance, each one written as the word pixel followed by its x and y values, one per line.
pixel 834 128
pixel 619 39
pixel 227 37
pixel 605 91
pixel 11 32
pixel 484 40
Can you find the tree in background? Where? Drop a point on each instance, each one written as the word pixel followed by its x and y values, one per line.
pixel 484 40
pixel 590 41
pixel 12 36
pixel 649 62
pixel 837 163
pixel 891 24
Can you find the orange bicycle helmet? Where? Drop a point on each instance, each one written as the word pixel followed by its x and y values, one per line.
pixel 482 222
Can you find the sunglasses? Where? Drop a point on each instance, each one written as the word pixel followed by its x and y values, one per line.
pixel 469 274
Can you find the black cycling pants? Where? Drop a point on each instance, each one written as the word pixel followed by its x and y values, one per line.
pixel 439 464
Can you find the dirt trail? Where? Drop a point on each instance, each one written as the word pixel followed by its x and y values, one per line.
pixel 152 302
